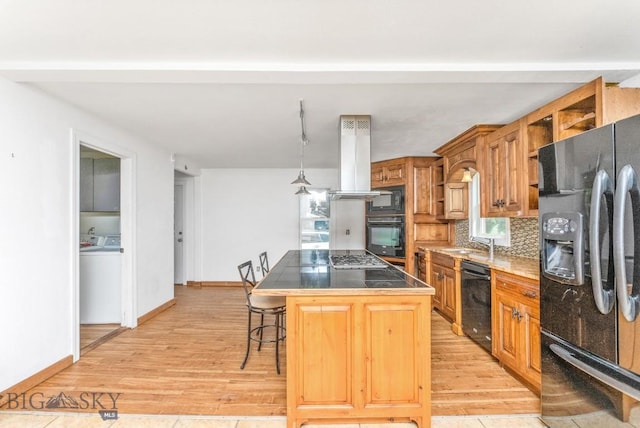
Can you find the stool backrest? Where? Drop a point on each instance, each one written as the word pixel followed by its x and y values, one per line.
pixel 264 263
pixel 248 279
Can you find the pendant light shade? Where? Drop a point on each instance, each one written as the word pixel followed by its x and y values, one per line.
pixel 466 176
pixel 302 191
pixel 302 180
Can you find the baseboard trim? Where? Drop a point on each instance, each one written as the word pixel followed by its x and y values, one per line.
pixel 221 283
pixel 36 379
pixel 152 313
pixel 194 284
pixel 107 337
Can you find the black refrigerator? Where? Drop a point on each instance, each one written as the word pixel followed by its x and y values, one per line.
pixel 589 206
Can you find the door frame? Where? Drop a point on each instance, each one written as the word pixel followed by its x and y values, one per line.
pixel 127 229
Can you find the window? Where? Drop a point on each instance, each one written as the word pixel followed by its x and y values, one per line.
pixel 496 228
pixel 314 219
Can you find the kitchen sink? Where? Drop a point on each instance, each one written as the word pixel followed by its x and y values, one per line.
pixel 460 251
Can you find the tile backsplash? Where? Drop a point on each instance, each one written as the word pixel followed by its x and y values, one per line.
pixel 524 238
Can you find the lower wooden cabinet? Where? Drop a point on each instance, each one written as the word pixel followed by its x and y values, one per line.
pixel 443 279
pixel 516 325
pixel 358 358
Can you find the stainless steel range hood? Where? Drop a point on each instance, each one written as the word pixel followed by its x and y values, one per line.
pixel 355 159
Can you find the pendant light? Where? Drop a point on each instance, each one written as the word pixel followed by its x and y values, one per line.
pixel 466 175
pixel 301 180
pixel 302 191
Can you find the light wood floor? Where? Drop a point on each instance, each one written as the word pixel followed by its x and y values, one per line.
pixel 186 361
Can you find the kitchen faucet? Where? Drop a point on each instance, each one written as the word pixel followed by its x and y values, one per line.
pixel 486 241
pixel 92 230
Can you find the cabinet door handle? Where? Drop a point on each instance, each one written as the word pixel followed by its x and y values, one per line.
pixel 516 314
pixel 531 294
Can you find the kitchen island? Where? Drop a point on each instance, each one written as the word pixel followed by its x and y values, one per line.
pixel 358 338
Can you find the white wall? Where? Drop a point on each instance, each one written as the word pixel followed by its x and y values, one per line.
pixel 37 253
pixel 247 211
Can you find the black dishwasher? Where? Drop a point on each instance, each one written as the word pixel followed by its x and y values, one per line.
pixel 476 302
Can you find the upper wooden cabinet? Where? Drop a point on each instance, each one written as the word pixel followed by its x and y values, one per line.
pixel 590 106
pixel 388 173
pixel 459 154
pixel 502 174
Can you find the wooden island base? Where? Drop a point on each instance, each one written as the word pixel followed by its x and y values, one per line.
pixel 360 357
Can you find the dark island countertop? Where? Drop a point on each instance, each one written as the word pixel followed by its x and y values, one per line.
pixel 309 272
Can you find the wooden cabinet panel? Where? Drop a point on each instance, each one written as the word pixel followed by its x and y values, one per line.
pixel 456 200
pixel 502 173
pixel 449 300
pixel 507 338
pixel 388 173
pixel 390 328
pixel 423 196
pixel 532 357
pixel 435 233
pixel 377 176
pixel 443 279
pixel 516 325
pixel 339 356
pixel 326 353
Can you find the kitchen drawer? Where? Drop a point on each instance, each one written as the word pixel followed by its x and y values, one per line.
pixel 527 290
pixel 442 260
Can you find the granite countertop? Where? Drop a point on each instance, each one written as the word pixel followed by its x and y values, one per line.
pixel 522 266
pixel 305 272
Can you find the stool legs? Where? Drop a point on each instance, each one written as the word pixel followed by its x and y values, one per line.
pixel 246 355
pixel 259 335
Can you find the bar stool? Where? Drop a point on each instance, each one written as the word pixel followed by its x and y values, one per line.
pixel 262 305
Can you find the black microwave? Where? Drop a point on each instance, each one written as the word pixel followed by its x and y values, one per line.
pixel 390 202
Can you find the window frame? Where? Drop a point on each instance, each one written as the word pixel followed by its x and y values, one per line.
pixel 478 224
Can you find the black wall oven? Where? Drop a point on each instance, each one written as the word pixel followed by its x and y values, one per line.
pixel 385 235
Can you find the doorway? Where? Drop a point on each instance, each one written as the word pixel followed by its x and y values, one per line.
pixel 184 252
pixel 178 234
pixel 103 290
pixel 100 259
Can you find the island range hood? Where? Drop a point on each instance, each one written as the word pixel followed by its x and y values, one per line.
pixel 355 160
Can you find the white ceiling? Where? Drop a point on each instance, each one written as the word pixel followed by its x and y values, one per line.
pixel 220 81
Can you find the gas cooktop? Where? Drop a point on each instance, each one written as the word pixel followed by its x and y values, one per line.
pixel 356 261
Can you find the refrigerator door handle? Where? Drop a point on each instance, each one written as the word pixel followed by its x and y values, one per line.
pixel 627 183
pixel 601 372
pixel 604 299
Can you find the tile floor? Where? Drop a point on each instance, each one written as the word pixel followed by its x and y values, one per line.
pixel 70 420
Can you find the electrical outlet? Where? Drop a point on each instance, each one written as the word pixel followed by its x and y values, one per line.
pixel 347 232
